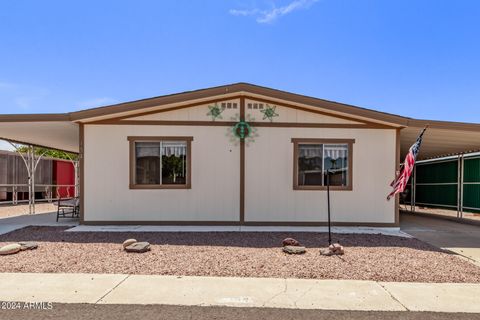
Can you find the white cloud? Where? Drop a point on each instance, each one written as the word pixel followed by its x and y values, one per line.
pixel 97 102
pixel 269 16
pixel 244 13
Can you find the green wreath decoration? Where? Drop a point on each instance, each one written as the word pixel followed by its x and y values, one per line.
pixel 242 130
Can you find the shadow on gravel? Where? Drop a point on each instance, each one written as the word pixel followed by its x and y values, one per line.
pixel 217 239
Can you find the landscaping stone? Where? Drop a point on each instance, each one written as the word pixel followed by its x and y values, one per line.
pixel 294 249
pixel 333 249
pixel 326 252
pixel 235 254
pixel 10 249
pixel 337 248
pixel 128 242
pixel 290 242
pixel 28 245
pixel 138 247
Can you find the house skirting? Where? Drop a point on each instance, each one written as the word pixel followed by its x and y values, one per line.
pixel 287 224
pixel 393 231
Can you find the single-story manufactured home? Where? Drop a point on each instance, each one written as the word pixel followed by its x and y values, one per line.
pixel 237 154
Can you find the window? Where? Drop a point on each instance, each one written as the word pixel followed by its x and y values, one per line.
pixel 160 162
pixel 313 158
pixel 229 105
pixel 255 105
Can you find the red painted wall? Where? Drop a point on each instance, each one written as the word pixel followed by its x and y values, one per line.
pixel 64 173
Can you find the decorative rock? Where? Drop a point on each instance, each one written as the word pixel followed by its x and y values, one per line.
pixel 10 249
pixel 326 252
pixel 338 249
pixel 128 242
pixel 138 247
pixel 294 249
pixel 333 249
pixel 28 245
pixel 290 242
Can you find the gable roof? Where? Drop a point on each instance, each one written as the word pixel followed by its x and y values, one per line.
pixel 237 88
pixel 241 88
pixel 61 131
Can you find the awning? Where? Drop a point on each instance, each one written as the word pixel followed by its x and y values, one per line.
pixel 49 131
pixel 441 139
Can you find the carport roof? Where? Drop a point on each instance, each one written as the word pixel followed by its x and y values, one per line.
pixel 61 131
pixel 441 138
pixel 47 130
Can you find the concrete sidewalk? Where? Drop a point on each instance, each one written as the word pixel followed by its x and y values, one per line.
pixel 139 228
pixel 239 292
pixel 10 224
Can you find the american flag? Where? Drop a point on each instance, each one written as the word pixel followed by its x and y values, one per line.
pixel 406 169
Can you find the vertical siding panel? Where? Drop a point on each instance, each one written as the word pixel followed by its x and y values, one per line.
pixel 471 192
pixel 436 176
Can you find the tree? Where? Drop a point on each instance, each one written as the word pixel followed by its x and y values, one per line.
pixel 51 153
pixel 173 166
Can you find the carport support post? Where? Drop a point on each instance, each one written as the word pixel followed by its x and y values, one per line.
pixel 28 163
pixel 32 210
pixel 35 163
pixel 75 166
pixel 462 177
pixel 414 188
pixel 459 182
pixel 31 163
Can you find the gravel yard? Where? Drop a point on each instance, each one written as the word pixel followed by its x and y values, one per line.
pixel 7 211
pixel 246 254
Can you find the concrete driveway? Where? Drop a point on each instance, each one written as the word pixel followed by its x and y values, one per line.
pixel 463 239
pixel 40 219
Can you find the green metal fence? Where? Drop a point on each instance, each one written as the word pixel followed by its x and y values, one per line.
pixel 451 183
pixel 471 184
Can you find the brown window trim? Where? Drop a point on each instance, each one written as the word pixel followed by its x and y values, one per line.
pixel 133 185
pixel 297 141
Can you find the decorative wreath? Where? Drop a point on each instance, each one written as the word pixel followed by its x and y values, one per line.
pixel 242 130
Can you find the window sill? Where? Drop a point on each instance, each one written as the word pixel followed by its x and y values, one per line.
pixel 154 187
pixel 322 188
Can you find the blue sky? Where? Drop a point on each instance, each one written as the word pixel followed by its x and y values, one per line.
pixel 417 58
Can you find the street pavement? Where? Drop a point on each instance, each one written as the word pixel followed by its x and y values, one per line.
pixel 151 312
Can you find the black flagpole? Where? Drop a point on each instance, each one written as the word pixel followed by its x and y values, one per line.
pixel 328 203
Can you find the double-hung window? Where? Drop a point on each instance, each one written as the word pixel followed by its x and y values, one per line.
pixel 315 158
pixel 160 162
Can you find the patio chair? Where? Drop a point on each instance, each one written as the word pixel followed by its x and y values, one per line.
pixel 68 206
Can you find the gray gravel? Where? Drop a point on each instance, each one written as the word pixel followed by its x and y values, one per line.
pixel 247 254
